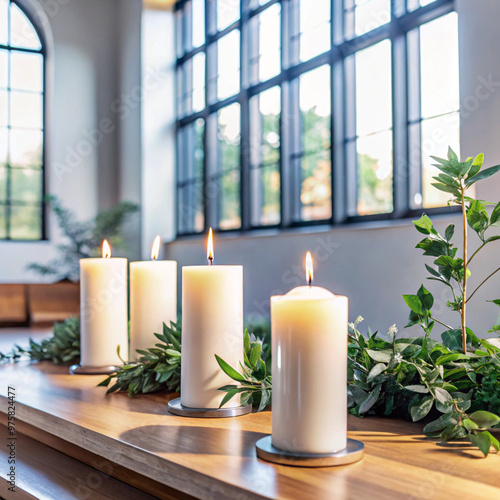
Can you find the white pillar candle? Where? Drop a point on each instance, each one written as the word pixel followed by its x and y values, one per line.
pixel 212 323
pixel 309 352
pixel 103 310
pixel 153 299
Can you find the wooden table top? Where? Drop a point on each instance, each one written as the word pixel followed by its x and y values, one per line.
pixel 215 458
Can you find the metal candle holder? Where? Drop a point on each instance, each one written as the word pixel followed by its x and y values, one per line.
pixel 176 408
pixel 352 453
pixel 92 370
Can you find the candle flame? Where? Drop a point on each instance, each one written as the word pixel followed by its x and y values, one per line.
pixel 106 250
pixel 309 268
pixel 155 249
pixel 210 247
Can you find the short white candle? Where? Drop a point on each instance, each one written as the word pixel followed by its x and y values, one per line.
pixel 212 323
pixel 309 352
pixel 153 299
pixel 103 308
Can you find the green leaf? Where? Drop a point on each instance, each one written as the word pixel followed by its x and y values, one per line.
pixel 424 225
pixel 495 215
pixel 255 352
pixel 441 423
pixel 372 398
pixel 420 411
pixel 413 302
pixel 446 189
pixel 493 238
pixel 382 356
pixel 476 165
pixel 482 440
pixel 452 156
pixel 375 371
pixel 485 419
pixel 483 174
pixel 228 396
pixel 469 424
pixel 452 339
pixel 426 298
pixel 229 370
pixel 417 388
pixel 450 230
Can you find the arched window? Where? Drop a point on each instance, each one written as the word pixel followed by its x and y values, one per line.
pixel 22 79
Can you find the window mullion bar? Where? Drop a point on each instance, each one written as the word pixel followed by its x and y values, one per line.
pixel 245 189
pixel 400 181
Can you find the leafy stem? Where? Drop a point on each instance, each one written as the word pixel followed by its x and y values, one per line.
pixel 482 283
pixel 464 286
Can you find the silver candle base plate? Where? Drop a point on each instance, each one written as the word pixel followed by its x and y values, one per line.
pixel 352 453
pixel 176 408
pixel 91 370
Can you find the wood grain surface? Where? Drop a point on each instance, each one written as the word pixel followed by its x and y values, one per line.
pixel 216 459
pixel 44 473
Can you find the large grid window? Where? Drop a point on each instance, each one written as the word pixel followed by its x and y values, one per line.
pixel 21 126
pixel 293 112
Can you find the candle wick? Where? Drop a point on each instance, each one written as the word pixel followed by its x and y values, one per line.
pixel 310 282
pixel 210 261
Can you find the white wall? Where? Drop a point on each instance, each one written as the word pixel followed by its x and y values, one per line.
pixel 93 60
pixel 375 264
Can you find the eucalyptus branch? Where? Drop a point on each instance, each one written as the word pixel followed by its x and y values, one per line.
pixel 476 252
pixel 441 323
pixel 482 283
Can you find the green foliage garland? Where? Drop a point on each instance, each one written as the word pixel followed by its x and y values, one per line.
pixel 62 347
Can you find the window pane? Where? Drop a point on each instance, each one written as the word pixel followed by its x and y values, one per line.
pixel 439 68
pixel 198 82
pixel 314 28
pixel 374 163
pixel 3 146
pixel 315 109
pixel 228 178
pixel 369 15
pixel 266 204
pixel 266 44
pixel 4 61
pixel 4 22
pixel 198 18
pixel 4 102
pixel 415 4
pixel 25 148
pixel 373 89
pixel 265 110
pixel 26 185
pixel 3 222
pixel 3 184
pixel 26 222
pixel 228 65
pixel 437 134
pixel 228 12
pixel 190 208
pixel 22 33
pixel 26 71
pixel 26 110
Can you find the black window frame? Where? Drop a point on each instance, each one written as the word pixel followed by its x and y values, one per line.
pixel 403 20
pixel 8 200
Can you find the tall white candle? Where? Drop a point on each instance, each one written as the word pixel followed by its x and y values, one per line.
pixel 309 352
pixel 103 308
pixel 153 299
pixel 212 323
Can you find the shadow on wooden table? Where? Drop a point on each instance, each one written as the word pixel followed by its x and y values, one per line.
pixel 194 440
